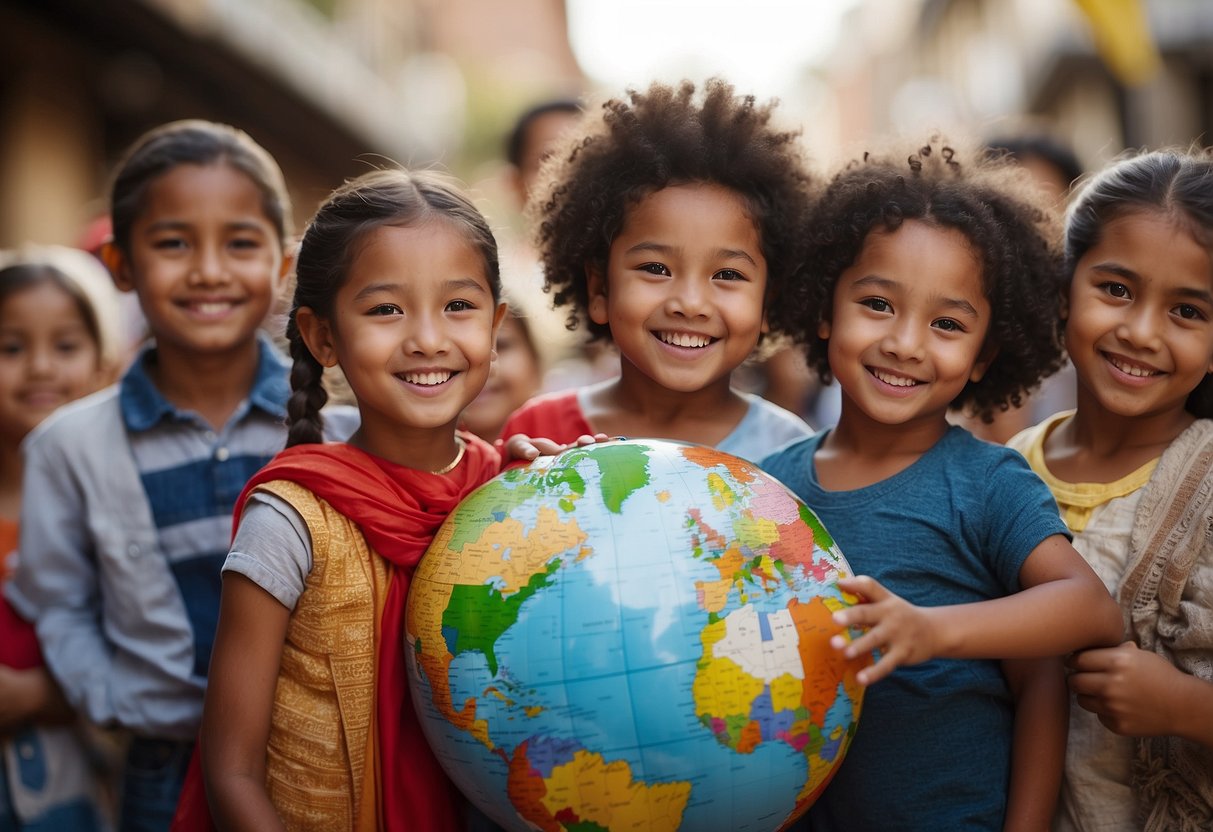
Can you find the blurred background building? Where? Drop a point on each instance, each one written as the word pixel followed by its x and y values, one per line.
pixel 332 87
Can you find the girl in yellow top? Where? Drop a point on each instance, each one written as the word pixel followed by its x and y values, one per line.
pixel 1132 470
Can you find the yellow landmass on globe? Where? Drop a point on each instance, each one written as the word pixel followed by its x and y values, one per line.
pixel 605 793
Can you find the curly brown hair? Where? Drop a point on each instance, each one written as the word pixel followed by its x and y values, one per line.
pixel 996 206
pixel 647 141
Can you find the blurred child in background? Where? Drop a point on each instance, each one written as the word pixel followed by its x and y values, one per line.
pixel 128 495
pixel 516 376
pixel 59 341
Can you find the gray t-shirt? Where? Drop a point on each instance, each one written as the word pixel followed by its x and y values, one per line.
pixel 272 548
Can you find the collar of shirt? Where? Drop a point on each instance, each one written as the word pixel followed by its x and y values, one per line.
pixel 144 406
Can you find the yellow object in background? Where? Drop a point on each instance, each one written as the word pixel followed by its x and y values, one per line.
pixel 1122 35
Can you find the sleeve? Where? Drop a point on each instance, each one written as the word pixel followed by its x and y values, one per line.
pixel 272 548
pixel 1020 513
pixel 57 584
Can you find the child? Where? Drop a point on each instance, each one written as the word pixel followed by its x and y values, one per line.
pixel 59 341
pixel 307 722
pixel 671 224
pixel 1132 470
pixel 516 376
pixel 128 493
pixel 931 286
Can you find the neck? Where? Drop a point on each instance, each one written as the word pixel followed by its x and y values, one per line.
pixel 1106 434
pixel 861 436
pixel 423 449
pixel 212 385
pixel 649 401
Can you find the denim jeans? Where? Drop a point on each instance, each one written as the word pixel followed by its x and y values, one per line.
pixel 151 783
pixel 76 815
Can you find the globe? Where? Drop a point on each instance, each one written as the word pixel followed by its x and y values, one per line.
pixel 633 635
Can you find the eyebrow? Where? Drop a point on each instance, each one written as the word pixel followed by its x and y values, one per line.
pixel 661 248
pixel 455 284
pixel 878 282
pixel 177 225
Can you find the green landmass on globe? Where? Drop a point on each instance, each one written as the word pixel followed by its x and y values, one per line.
pixel 633 635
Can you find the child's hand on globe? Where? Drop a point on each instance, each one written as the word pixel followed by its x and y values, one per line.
pixel 900 631
pixel 523 448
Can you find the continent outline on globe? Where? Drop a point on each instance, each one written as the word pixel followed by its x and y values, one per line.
pixel 579 715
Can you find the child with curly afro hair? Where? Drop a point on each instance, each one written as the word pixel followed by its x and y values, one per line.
pixel 670 224
pixel 932 281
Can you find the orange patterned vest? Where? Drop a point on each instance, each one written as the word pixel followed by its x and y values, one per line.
pixel 321 767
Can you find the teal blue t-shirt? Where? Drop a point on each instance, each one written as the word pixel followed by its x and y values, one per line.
pixel 932 750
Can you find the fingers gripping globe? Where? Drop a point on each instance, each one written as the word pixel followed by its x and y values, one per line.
pixel 633 635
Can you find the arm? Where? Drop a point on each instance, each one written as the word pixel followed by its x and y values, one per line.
pixel 1062 607
pixel 57 585
pixel 30 696
pixel 1038 746
pixel 1137 693
pixel 239 701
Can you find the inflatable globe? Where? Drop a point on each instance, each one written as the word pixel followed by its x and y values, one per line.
pixel 633 635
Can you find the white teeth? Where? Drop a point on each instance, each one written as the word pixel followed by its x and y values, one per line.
pixel 1130 369
pixel 892 380
pixel 427 379
pixel 213 307
pixel 684 339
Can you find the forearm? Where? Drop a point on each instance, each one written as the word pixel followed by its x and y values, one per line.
pixel 239 801
pixel 1038 744
pixel 1049 619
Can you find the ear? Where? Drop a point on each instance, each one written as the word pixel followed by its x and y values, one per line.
pixel 498 317
pixel 317 334
pixel 596 288
pixel 823 330
pixel 119 267
pixel 988 353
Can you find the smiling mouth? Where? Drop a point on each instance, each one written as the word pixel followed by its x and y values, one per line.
pixel 893 379
pixel 1131 369
pixel 430 379
pixel 210 307
pixel 689 340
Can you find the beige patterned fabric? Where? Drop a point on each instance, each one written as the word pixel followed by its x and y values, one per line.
pixel 322 730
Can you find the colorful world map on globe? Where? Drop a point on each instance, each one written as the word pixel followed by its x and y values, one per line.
pixel 633 635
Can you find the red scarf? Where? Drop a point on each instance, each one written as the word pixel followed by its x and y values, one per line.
pixel 398 510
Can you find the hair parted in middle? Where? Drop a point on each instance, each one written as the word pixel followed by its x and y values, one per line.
pixel 648 140
pixel 333 239
pixel 996 206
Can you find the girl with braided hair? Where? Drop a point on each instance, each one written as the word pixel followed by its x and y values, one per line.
pixel 307 723
pixel 931 283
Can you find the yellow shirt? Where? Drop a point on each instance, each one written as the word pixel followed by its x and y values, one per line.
pixel 1076 500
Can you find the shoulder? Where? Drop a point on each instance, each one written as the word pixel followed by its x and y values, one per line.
pixel 79 424
pixel 542 412
pixel 768 415
pixel 791 456
pixel 1033 437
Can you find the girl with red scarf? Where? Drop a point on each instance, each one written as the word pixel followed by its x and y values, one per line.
pixel 307 723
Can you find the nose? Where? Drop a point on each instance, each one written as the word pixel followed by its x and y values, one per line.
pixel 1140 330
pixel 903 340
pixel 427 335
pixel 41 361
pixel 209 267
pixel 688 297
